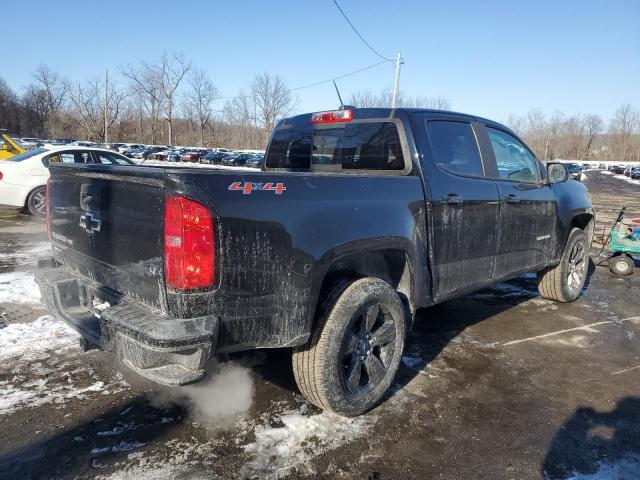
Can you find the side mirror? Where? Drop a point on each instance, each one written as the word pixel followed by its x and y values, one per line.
pixel 557 172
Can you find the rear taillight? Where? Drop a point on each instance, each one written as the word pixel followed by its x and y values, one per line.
pixel 1 175
pixel 335 116
pixel 189 250
pixel 46 206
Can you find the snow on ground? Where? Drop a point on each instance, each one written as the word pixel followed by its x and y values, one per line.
pixel 41 249
pixel 35 340
pixel 41 364
pixel 299 438
pixel 625 469
pixel 621 177
pixel 627 179
pixel 19 287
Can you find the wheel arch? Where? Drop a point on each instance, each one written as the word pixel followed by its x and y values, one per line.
pixel 585 221
pixel 28 194
pixel 394 265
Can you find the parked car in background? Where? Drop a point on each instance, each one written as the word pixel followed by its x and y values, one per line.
pixel 29 142
pixel 635 173
pixel 56 142
pixel 145 152
pixel 237 159
pixel 214 158
pixel 129 146
pixel 603 166
pixel 255 161
pixel 23 178
pixel 617 169
pixel 9 147
pixel 574 171
pixel 174 155
pixel 82 143
pixel 160 154
pixel 193 154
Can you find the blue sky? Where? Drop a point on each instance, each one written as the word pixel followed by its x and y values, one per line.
pixel 490 58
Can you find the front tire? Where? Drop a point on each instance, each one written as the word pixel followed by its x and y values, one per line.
pixel 354 352
pixel 564 282
pixel 37 202
pixel 622 265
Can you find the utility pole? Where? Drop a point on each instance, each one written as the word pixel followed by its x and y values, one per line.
pixel 106 103
pixel 396 82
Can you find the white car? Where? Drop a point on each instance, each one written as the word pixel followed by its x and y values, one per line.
pixel 23 178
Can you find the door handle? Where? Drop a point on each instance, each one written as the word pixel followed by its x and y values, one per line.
pixel 511 198
pixel 453 199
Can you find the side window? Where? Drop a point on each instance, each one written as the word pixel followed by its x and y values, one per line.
pixel 455 147
pixel 71 157
pixel 514 160
pixel 107 158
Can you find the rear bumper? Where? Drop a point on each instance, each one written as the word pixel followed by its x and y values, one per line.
pixel 166 350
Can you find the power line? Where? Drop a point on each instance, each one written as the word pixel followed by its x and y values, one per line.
pixel 358 33
pixel 315 84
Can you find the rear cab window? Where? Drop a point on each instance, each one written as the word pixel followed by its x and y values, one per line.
pixel 350 147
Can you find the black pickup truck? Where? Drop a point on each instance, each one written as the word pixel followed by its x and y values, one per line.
pixel 358 218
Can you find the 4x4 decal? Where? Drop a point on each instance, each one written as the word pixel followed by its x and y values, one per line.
pixel 247 188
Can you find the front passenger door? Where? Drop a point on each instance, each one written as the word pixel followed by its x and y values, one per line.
pixel 528 209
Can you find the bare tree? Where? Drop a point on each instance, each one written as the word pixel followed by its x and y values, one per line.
pixel 272 100
pixel 625 122
pixel 88 107
pixel 592 127
pixel 199 100
pixel 170 72
pixel 53 86
pixel 365 99
pixel 145 86
pixel 52 91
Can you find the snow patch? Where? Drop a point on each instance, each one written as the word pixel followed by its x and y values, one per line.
pixel 36 393
pixel 19 287
pixel 38 250
pixel 35 340
pixel 298 439
pixel 626 468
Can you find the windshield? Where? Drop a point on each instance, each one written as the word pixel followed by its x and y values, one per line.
pixel 25 155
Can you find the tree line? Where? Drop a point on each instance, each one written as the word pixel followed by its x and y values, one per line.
pixel 171 101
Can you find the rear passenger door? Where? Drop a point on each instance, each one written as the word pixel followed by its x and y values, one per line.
pixel 464 203
pixel 528 209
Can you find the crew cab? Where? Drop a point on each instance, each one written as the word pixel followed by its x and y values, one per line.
pixel 357 219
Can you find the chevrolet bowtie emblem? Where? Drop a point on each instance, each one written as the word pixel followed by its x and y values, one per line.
pixel 90 222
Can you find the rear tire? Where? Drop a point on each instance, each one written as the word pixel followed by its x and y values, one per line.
pixel 564 282
pixel 37 202
pixel 354 352
pixel 622 265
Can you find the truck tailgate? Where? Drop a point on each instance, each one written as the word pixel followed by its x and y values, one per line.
pixel 106 224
